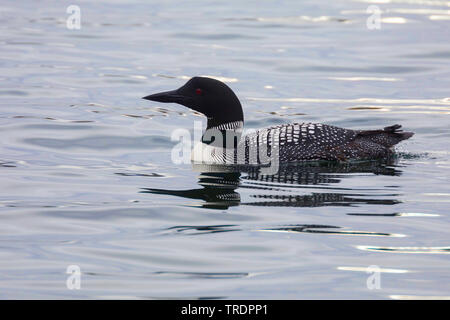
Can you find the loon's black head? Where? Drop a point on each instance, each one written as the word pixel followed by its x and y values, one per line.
pixel 208 96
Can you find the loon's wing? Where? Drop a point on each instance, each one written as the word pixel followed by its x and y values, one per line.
pixel 299 141
pixel 313 141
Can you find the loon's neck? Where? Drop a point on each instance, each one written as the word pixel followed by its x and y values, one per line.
pixel 230 125
pixel 225 122
pixel 219 143
pixel 223 135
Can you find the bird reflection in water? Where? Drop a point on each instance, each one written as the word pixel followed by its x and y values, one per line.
pixel 219 185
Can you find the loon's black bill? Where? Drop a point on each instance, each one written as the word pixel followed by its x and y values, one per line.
pixel 167 96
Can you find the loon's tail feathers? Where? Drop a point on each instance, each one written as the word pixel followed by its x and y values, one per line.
pixel 388 136
pixel 400 134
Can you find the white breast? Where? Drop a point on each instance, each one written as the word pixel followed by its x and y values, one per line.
pixel 210 154
pixel 204 153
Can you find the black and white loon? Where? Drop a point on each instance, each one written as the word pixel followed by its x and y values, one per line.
pixel 290 142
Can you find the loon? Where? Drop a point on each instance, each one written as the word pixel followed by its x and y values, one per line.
pixel 293 142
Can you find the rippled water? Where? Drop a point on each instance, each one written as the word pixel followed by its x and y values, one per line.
pixel 86 171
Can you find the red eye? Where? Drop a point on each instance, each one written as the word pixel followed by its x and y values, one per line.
pixel 198 91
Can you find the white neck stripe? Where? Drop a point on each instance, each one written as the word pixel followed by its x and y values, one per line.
pixel 229 125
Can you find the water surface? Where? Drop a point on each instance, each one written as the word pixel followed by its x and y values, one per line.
pixel 86 171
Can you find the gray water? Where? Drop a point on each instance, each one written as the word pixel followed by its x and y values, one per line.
pixel 86 171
